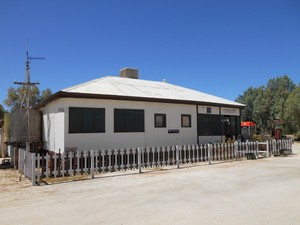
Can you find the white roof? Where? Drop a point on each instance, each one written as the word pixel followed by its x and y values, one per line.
pixel 127 87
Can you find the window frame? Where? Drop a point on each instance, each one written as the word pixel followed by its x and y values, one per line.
pixel 187 116
pixel 164 122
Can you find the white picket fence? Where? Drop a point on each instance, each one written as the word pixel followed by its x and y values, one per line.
pixel 72 163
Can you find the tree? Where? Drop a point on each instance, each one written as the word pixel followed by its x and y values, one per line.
pixel 279 90
pixel 247 98
pixel 256 107
pixel 265 104
pixel 45 94
pixel 2 111
pixel 16 97
pixel 292 111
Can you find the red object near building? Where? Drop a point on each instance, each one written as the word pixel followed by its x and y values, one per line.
pixel 248 129
pixel 248 124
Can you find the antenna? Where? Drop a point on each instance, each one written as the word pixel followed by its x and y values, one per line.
pixel 27 85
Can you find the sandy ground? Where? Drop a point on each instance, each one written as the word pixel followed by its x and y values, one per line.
pixel 264 191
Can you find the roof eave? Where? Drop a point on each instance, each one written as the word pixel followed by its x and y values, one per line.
pixel 63 94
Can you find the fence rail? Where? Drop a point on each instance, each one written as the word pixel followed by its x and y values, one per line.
pixel 71 163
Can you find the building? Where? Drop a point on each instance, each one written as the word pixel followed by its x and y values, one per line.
pixel 124 112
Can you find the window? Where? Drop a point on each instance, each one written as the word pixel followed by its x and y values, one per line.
pixel 129 120
pixel 209 125
pixel 230 125
pixel 160 120
pixel 213 125
pixel 86 120
pixel 186 121
pixel 208 110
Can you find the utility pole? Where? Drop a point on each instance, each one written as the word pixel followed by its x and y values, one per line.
pixel 269 110
pixel 27 85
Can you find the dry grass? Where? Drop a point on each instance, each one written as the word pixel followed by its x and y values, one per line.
pixel 64 179
pixel 10 181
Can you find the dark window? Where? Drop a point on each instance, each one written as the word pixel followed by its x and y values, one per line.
pixel 86 120
pixel 208 110
pixel 209 125
pixel 129 120
pixel 186 121
pixel 160 120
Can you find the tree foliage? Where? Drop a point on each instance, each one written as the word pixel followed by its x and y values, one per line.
pixel 292 111
pixel 278 100
pixel 16 97
pixel 2 111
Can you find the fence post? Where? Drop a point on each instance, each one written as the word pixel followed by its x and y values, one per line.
pixel 139 160
pixel 92 164
pixel 209 153
pixel 177 156
pixel 33 168
pixel 15 157
pixel 268 154
pixel 257 150
pixel 236 150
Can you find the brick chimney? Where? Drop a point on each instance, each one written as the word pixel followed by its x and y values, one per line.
pixel 129 73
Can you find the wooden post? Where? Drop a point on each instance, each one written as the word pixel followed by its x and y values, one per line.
pixel 92 164
pixel 177 156
pixel 59 163
pixel 2 145
pixel 47 165
pixel 81 162
pixel 109 160
pixel 235 150
pixel 268 154
pixel 38 160
pixel 63 165
pixel 257 150
pixel 139 160
pixel 55 165
pixel 33 168
pixel 70 163
pixel 16 160
pixel 209 146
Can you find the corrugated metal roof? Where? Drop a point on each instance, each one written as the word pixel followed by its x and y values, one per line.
pixel 126 87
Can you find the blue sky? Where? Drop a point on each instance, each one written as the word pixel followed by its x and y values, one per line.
pixel 218 47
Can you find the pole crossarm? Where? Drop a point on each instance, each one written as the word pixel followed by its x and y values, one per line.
pixel 26 83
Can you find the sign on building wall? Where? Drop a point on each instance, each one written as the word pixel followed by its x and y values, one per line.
pixel 208 110
pixel 230 111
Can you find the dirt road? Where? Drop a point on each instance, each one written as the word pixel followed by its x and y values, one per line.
pixel 264 191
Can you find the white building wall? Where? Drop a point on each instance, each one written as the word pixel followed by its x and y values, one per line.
pixel 53 127
pixel 56 125
pixel 59 130
pixel 48 127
